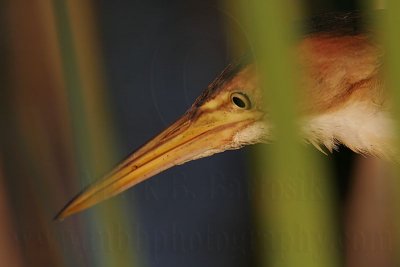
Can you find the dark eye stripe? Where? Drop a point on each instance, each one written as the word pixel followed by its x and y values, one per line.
pixel 241 100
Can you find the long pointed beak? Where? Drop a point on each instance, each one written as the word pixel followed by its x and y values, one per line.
pixel 197 134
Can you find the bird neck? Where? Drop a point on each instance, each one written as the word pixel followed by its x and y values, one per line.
pixel 363 127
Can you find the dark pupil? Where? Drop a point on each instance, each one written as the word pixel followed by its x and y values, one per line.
pixel 239 102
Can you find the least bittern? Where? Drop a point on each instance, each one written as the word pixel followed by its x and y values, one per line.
pixel 346 105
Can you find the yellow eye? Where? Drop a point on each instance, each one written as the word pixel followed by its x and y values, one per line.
pixel 241 100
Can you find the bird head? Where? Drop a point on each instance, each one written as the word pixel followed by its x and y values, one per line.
pixel 227 115
pixel 345 103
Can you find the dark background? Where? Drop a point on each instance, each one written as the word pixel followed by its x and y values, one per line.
pixel 159 55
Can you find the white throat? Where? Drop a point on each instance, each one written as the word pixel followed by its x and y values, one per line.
pixel 361 126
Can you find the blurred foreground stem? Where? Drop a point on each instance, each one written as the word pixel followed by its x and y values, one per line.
pixel 296 223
